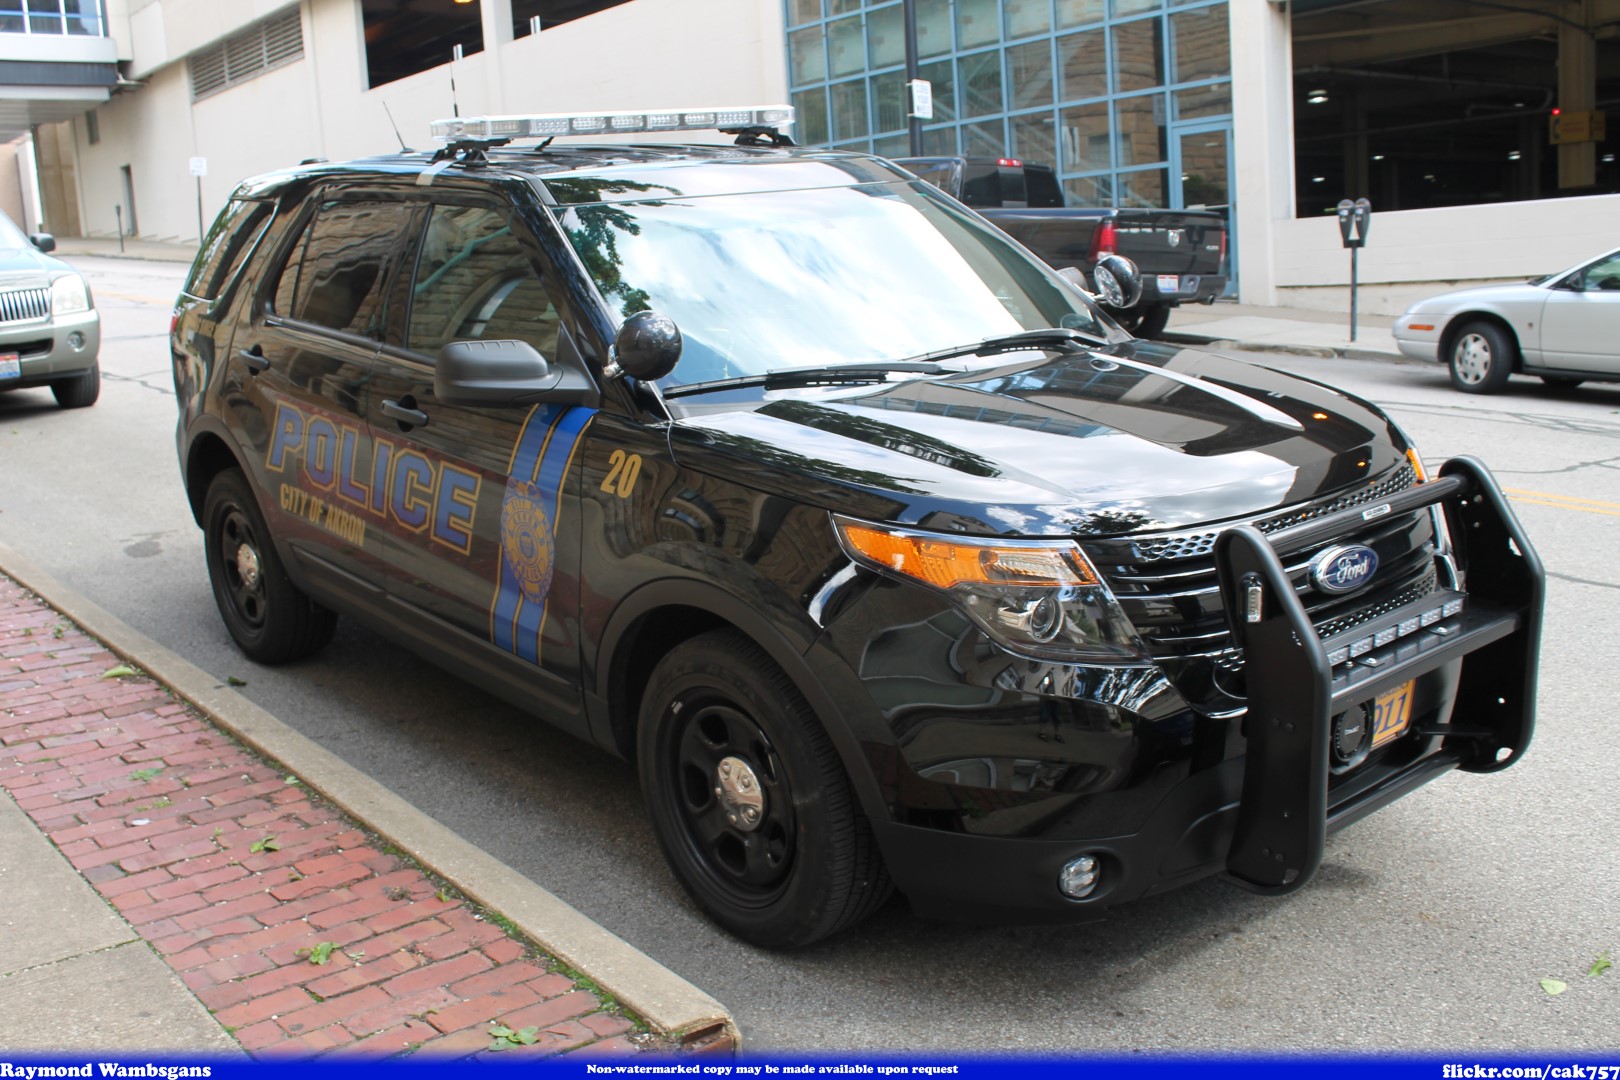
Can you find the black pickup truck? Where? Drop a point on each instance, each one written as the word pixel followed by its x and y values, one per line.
pixel 1181 253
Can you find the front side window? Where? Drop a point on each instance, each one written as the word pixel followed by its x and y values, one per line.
pixel 336 274
pixel 1601 276
pixel 473 281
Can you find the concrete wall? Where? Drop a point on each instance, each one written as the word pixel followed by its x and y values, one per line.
pixel 1415 253
pixel 731 52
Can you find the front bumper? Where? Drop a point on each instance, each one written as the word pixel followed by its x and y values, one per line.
pixel 1418 336
pixel 1260 812
pixel 52 349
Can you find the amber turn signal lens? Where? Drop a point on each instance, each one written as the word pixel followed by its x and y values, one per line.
pixel 947 563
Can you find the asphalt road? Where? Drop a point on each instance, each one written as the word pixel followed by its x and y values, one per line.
pixel 1429 926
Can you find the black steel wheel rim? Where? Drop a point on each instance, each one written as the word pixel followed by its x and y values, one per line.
pixel 247 597
pixel 749 865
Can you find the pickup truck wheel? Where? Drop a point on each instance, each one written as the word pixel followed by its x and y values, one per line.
pixel 749 799
pixel 270 619
pixel 1482 358
pixel 1143 320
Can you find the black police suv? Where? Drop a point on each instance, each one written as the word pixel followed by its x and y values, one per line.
pixel 889 559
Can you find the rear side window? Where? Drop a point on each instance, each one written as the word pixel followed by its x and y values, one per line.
pixel 474 281
pixel 235 231
pixel 336 273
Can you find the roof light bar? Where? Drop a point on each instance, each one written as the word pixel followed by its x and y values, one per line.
pixel 548 125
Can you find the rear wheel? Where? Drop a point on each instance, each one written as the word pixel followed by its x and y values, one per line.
pixel 79 391
pixel 748 797
pixel 1143 320
pixel 1482 357
pixel 271 620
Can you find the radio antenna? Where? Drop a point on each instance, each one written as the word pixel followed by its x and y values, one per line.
pixel 455 54
pixel 402 147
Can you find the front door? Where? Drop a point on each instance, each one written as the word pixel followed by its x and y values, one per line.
pixel 484 501
pixel 1580 321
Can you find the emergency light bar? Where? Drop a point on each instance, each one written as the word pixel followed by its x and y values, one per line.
pixel 549 125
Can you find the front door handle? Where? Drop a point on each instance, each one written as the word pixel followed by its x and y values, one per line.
pixel 405 412
pixel 254 358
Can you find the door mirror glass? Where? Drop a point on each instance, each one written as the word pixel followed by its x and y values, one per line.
pixel 1119 283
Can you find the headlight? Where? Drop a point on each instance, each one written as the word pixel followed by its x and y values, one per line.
pixel 1041 598
pixel 69 294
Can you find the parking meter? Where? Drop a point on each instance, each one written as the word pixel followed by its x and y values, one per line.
pixel 1355 219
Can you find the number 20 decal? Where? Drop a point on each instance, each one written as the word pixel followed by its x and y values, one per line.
pixel 622 473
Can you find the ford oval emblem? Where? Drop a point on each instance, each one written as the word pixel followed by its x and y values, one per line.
pixel 1343 569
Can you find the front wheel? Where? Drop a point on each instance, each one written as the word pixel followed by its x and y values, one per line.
pixel 270 619
pixel 1482 358
pixel 748 797
pixel 80 391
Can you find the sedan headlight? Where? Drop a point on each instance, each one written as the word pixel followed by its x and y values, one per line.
pixel 69 294
pixel 1041 598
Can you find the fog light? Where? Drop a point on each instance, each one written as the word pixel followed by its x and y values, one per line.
pixel 1078 878
pixel 76 340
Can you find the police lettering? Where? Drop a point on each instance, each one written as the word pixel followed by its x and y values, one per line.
pixel 416 492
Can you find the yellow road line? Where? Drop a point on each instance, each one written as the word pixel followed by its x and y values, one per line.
pixel 1567 503
pixel 1561 498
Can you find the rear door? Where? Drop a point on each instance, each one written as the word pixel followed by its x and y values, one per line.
pixel 303 366
pixel 482 501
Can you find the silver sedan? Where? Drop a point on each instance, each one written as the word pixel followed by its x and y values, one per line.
pixel 1564 328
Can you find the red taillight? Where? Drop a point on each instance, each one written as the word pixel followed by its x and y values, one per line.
pixel 1009 162
pixel 1223 247
pixel 1103 241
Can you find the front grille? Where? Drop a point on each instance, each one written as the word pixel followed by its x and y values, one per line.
pixel 24 305
pixel 1168 585
pixel 1188 544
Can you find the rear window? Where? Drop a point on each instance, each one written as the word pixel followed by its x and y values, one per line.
pixel 1010 186
pixel 235 232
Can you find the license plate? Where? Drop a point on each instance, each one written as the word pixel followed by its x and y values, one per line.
pixel 10 366
pixel 1392 712
pixel 1169 283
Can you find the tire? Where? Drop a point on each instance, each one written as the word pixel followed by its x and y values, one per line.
pixel 1143 320
pixel 1562 382
pixel 270 619
pixel 80 391
pixel 805 865
pixel 1482 356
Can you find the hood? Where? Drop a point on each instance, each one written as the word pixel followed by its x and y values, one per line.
pixel 1479 294
pixel 1138 437
pixel 26 267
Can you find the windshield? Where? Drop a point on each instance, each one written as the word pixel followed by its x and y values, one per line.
pixel 11 237
pixel 777 280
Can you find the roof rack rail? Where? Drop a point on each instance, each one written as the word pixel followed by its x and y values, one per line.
pixel 754 125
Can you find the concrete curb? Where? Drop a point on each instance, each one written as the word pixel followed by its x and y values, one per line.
pixel 1326 352
pixel 670 1004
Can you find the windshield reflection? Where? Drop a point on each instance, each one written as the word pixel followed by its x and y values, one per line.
pixel 787 279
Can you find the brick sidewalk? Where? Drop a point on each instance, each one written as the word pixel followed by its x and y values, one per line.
pixel 243 880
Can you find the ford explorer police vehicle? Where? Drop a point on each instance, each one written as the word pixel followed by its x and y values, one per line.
pixel 890 560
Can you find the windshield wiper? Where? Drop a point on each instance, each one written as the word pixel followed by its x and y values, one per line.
pixel 834 375
pixel 1060 338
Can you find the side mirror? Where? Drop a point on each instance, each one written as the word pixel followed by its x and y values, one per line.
pixel 506 372
pixel 43 240
pixel 647 347
pixel 1119 282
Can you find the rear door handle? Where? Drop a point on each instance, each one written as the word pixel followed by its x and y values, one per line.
pixel 405 414
pixel 254 358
